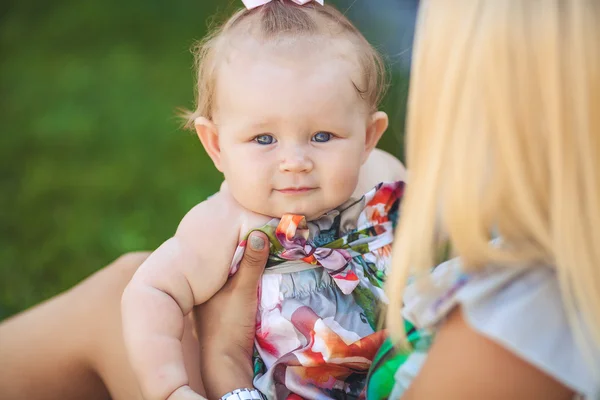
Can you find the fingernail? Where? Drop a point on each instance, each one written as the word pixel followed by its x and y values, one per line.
pixel 257 243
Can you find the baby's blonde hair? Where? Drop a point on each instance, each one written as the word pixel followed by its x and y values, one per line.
pixel 504 136
pixel 282 19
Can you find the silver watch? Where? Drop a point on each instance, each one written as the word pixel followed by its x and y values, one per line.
pixel 243 394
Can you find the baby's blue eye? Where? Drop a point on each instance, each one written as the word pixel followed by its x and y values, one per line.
pixel 322 137
pixel 264 139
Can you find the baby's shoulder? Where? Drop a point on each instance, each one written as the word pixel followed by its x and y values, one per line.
pixel 382 162
pixel 379 167
pixel 217 220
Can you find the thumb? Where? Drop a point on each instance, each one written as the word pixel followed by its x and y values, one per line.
pixel 254 260
pixel 185 393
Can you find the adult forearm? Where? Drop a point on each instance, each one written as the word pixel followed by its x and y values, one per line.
pixel 223 374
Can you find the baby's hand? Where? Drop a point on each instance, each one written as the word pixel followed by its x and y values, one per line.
pixel 185 393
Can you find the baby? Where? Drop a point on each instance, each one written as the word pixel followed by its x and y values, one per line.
pixel 287 110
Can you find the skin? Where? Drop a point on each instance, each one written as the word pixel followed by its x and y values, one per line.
pixel 59 347
pixel 290 136
pixel 489 370
pixel 473 374
pixel 217 340
pixel 303 104
pixel 71 346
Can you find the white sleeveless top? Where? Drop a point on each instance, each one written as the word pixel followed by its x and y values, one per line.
pixel 520 309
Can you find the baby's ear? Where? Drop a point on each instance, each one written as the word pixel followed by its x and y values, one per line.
pixel 209 136
pixel 377 126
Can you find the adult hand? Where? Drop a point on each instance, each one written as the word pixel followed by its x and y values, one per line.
pixel 185 393
pixel 226 324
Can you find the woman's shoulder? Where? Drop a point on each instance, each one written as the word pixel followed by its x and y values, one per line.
pixel 521 309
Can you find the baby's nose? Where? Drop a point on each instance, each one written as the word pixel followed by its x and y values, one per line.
pixel 296 161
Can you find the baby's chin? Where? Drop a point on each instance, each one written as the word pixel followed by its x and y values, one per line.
pixel 311 209
pixel 310 213
pixel 310 216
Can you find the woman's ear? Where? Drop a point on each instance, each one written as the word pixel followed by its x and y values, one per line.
pixel 377 126
pixel 209 136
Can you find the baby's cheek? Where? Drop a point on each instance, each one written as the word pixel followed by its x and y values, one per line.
pixel 256 190
pixel 248 172
pixel 344 181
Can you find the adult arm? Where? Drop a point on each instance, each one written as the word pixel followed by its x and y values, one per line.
pixel 463 364
pixel 226 324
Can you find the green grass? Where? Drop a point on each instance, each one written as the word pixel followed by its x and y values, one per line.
pixel 92 161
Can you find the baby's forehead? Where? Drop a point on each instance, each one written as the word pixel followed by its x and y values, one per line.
pixel 293 73
pixel 291 49
pixel 332 45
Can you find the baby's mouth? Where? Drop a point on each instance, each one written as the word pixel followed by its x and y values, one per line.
pixel 295 190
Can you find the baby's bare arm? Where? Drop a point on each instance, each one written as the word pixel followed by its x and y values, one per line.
pixel 184 271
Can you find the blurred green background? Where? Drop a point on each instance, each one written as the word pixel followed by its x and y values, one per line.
pixel 93 162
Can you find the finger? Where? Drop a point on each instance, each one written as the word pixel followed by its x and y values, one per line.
pixel 185 393
pixel 253 262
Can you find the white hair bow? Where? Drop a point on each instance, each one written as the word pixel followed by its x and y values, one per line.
pixel 250 4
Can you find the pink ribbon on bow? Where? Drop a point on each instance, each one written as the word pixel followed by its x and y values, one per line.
pixel 250 4
pixel 337 263
pixel 292 233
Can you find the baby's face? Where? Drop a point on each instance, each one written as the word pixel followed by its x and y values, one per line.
pixel 291 130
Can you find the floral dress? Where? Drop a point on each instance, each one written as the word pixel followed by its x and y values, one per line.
pixel 320 298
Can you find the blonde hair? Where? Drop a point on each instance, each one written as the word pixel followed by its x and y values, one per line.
pixel 504 136
pixel 272 22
